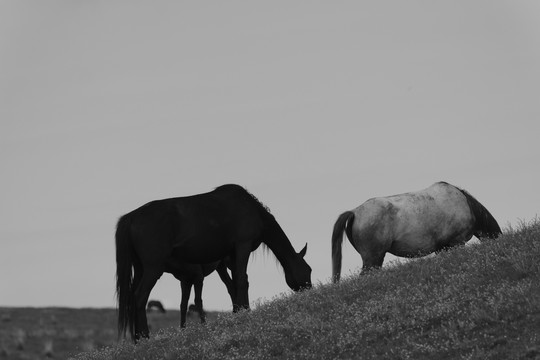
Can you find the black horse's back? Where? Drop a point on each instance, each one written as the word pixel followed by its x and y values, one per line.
pixel 231 188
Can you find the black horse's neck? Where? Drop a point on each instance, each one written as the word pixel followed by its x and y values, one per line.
pixel 274 237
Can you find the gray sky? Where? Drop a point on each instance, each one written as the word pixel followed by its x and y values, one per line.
pixel 313 106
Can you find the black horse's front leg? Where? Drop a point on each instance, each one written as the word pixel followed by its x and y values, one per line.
pixel 240 281
pixel 198 300
pixel 186 292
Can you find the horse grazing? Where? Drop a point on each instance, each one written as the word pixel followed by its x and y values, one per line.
pixel 411 225
pixel 228 222
pixel 192 275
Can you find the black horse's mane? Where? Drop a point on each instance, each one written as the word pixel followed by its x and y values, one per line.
pixel 243 189
pixel 266 208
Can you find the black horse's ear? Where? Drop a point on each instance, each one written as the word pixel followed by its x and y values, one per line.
pixel 302 252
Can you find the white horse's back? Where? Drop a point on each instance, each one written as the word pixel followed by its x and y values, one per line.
pixel 416 223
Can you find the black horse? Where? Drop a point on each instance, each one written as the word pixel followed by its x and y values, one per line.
pixel 228 222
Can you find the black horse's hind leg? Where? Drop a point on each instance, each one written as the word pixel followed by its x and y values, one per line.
pixel 186 292
pixel 148 280
pixel 198 300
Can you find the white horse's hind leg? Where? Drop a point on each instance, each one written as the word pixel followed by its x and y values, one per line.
pixel 374 260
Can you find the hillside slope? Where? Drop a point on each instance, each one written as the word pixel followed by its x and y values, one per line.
pixel 474 302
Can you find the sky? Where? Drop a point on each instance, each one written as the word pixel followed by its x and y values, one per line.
pixel 314 107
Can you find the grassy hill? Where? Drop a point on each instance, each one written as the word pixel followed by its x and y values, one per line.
pixel 474 302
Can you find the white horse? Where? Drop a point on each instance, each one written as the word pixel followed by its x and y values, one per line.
pixel 413 224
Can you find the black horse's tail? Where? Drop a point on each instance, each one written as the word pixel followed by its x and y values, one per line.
pixel 337 242
pixel 125 288
pixel 486 225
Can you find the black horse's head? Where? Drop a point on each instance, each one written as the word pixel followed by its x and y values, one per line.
pixel 298 274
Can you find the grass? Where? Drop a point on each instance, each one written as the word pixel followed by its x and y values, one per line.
pixel 474 302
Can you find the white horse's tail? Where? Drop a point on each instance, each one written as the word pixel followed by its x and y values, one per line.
pixel 337 242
